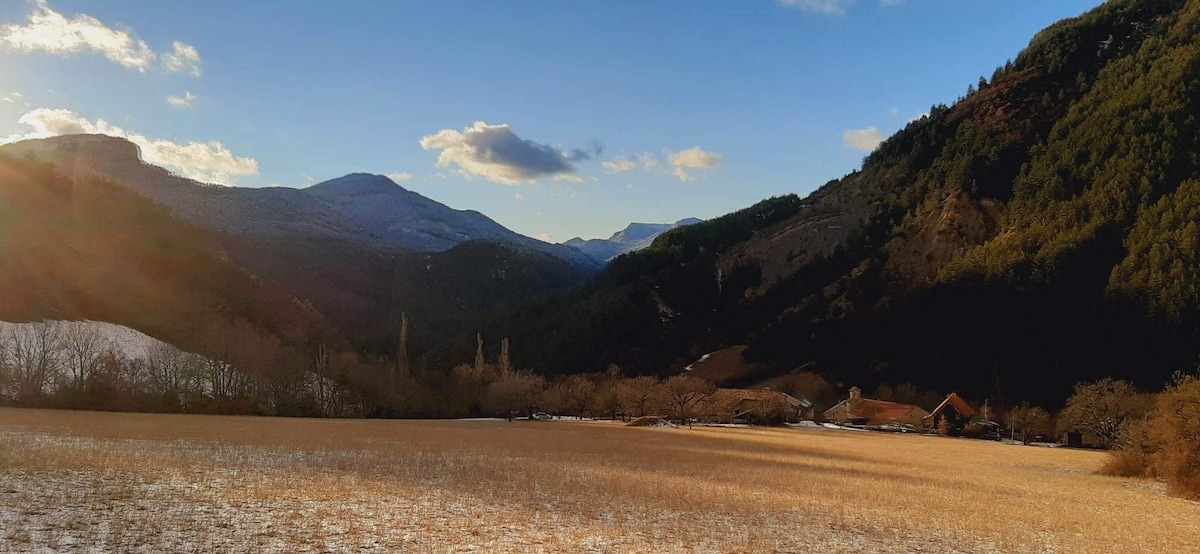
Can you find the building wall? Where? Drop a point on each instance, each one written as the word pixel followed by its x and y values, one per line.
pixel 838 414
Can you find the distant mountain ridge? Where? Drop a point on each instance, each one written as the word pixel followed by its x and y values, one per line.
pixel 366 209
pixel 634 237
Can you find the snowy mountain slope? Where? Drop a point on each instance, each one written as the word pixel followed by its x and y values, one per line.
pixel 409 220
pixel 634 237
pixel 129 343
pixel 360 208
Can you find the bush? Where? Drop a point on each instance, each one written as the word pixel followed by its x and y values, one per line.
pixel 1173 428
pixel 1126 463
pixel 1167 445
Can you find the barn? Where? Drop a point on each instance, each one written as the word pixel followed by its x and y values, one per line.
pixel 754 406
pixel 857 410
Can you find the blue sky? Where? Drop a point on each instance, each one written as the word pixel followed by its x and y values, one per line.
pixel 730 101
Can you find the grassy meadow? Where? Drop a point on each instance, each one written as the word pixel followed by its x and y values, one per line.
pixel 86 481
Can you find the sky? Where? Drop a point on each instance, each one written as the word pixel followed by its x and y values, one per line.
pixel 557 119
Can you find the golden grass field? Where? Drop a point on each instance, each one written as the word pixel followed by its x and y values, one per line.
pixel 85 481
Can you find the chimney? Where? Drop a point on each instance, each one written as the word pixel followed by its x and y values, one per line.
pixel 855 393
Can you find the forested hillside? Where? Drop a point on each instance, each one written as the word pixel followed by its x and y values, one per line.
pixel 1040 231
pixel 275 318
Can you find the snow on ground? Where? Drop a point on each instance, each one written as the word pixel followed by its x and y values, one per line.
pixel 131 343
pixel 702 359
pixel 196 497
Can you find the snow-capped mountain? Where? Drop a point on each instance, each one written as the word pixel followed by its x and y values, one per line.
pixel 360 208
pixel 634 237
pixel 406 219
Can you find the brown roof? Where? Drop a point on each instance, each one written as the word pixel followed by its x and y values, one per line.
pixel 957 403
pixel 728 399
pixel 880 410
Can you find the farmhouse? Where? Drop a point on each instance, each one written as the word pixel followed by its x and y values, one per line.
pixel 953 409
pixel 857 410
pixel 754 406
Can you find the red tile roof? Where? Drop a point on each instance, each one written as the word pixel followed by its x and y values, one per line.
pixel 957 403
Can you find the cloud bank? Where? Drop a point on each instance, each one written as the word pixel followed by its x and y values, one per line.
pixel 208 162
pixel 497 154
pixel 50 32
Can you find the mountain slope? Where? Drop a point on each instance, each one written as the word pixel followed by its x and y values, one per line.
pixel 88 248
pixel 92 249
pixel 636 236
pixel 407 220
pixel 369 210
pixel 1038 232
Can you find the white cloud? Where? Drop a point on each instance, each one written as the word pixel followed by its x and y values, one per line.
pixel 619 165
pixel 630 163
pixel 568 177
pixel 497 154
pixel 831 7
pixel 208 162
pixel 519 196
pixel 863 139
pixel 649 162
pixel 184 101
pixel 692 159
pixel 629 186
pixel 545 237
pixel 50 32
pixel 184 58
pixel 399 177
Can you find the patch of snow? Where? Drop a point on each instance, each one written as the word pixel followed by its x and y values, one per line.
pixel 128 342
pixel 806 425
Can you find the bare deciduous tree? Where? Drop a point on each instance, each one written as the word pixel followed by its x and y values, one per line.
pixel 1029 421
pixel 34 353
pixel 1104 408
pixel 84 350
pixel 505 361
pixel 515 393
pixel 577 393
pixel 682 393
pixel 402 364
pixel 170 371
pixel 636 394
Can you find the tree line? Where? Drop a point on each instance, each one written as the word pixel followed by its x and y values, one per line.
pixel 74 365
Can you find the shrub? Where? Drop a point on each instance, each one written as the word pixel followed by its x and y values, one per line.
pixel 1173 428
pixel 1167 445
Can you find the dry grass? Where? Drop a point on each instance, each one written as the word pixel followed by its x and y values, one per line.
pixel 83 481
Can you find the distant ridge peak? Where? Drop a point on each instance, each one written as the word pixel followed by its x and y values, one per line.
pixel 633 237
pixel 116 148
pixel 356 183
